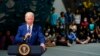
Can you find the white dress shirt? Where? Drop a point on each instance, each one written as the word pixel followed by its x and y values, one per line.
pixel 30 28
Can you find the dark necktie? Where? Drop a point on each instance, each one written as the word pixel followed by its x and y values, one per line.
pixel 29 30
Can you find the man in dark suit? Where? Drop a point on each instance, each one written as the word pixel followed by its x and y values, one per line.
pixel 29 32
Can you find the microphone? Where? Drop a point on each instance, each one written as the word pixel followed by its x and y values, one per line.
pixel 28 34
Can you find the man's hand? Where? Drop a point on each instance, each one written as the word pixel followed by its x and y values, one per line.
pixel 27 36
pixel 43 46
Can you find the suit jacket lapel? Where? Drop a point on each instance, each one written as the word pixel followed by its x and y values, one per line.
pixel 25 29
pixel 33 31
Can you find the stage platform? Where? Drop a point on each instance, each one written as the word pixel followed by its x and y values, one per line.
pixel 92 49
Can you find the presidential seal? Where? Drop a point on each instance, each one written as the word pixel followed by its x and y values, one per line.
pixel 24 49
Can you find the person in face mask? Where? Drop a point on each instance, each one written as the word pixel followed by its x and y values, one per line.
pixel 49 38
pixel 84 30
pixel 85 23
pixel 92 27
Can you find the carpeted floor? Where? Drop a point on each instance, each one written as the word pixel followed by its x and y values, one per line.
pixel 92 49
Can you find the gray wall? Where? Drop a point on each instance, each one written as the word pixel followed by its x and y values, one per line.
pixel 58 4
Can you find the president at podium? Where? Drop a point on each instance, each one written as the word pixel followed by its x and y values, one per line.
pixel 29 32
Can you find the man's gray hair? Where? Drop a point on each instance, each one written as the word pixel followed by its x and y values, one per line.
pixel 29 13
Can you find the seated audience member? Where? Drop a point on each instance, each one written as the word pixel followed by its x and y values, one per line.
pixel 72 36
pixel 85 23
pixel 83 35
pixel 97 31
pixel 73 27
pixel 91 29
pixel 9 39
pixel 72 33
pixel 50 41
pixel 62 40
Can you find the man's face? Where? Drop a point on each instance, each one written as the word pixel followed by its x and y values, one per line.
pixel 29 19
